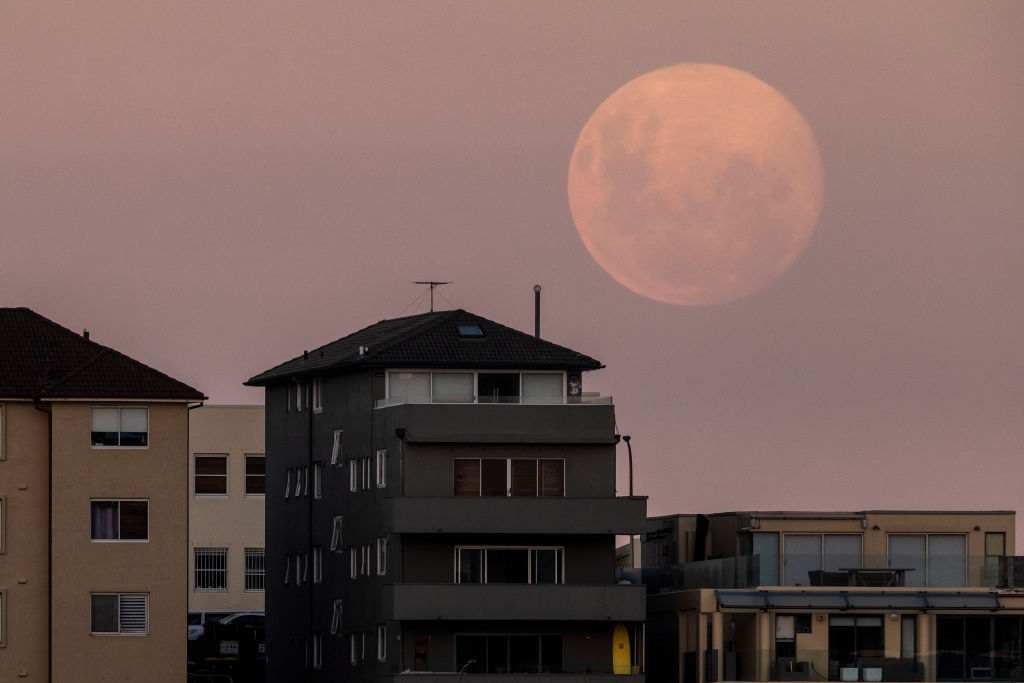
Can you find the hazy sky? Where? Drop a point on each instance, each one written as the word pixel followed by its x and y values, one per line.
pixel 212 187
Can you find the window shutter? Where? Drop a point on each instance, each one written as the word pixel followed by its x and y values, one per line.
pixel 524 477
pixel 552 478
pixel 133 614
pixel 467 477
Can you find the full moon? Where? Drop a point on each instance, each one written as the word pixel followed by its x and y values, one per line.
pixel 696 184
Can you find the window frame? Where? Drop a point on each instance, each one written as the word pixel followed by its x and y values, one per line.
pixel 353 561
pixel 119 446
pixel 119 520
pixel 382 468
pixel 119 631
pixel 382 555
pixel 337 547
pixel 509 477
pixel 210 552
pixel 530 562
pixel 352 659
pixel 287 568
pixel 3 433
pixel 3 530
pixel 318 564
pixel 337 610
pixel 254 457
pixel 226 476
pixel 353 475
pixel 430 398
pixel 318 650
pixel 253 574
pixel 288 483
pixel 318 395
pixel 382 642
pixel 318 480
pixel 965 567
pixel 3 614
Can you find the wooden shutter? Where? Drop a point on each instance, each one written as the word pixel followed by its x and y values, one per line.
pixel 524 477
pixel 467 477
pixel 552 478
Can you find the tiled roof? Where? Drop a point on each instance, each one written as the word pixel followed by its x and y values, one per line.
pixel 432 340
pixel 41 359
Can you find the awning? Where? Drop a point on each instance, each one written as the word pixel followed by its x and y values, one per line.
pixel 856 600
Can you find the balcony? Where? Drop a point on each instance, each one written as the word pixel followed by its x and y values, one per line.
pixel 452 677
pixel 515 515
pixel 513 602
pixel 582 422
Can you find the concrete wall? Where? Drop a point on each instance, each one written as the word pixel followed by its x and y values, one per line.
pixel 234 521
pixel 157 567
pixel 24 548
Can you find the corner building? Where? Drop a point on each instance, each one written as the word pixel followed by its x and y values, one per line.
pixel 441 499
pixel 93 509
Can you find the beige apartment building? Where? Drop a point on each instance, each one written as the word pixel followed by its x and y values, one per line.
pixel 93 509
pixel 849 596
pixel 226 510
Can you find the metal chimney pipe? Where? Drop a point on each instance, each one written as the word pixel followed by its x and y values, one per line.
pixel 536 311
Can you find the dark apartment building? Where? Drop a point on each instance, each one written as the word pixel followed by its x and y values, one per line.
pixel 441 499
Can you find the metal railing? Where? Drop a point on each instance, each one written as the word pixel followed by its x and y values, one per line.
pixel 587 398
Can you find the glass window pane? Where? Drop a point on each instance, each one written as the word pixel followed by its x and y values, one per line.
pixel 908 552
pixel 508 565
pixel 453 387
pixel 211 464
pixel 545 565
pixel 947 560
pixel 134 520
pixel 104 519
pixel 908 636
pixel 524 654
pixel 467 477
pixel 104 614
pixel 412 386
pixel 497 654
pixel 493 477
pixel 995 543
pixel 471 565
pixel 801 555
pixel 766 547
pixel 134 420
pixel 542 387
pixel 105 420
pixel 842 551
pixel 551 654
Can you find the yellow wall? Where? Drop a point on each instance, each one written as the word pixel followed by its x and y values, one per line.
pixel 24 553
pixel 158 567
pixel 234 521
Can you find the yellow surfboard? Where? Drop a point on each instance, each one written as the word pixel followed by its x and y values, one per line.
pixel 621 658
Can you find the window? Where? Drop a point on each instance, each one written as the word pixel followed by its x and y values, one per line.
pixel 318 395
pixel 364 465
pixel 509 565
pixel 255 568
pixel 305 567
pixel 3 597
pixel 2 548
pixel 318 480
pixel 382 555
pixel 120 427
pixel 288 482
pixel 353 561
pixel 211 569
pixel 119 520
pixel 804 555
pixel 382 642
pixel 336 545
pixel 995 547
pixel 212 475
pixel 510 653
pixel 318 564
pixel 364 559
pixel 298 482
pixel 287 568
pixel 1 458
pixel 305 480
pixel 935 560
pixel 299 391
pixel 255 474
pixel 382 468
pixel 318 650
pixel 362 645
pixel 352 652
pixel 510 477
pixel 353 475
pixel 470 331
pixel 336 450
pixel 121 613
pixel 336 617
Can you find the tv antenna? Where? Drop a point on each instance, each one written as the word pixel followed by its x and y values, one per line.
pixel 433 285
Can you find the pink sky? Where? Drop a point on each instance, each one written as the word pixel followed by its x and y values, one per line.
pixel 212 187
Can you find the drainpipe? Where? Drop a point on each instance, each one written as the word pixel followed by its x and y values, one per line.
pixel 37 404
pixel 536 311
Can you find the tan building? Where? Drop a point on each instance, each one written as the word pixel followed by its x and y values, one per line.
pixel 874 595
pixel 93 509
pixel 226 510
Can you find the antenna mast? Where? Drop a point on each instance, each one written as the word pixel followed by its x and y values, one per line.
pixel 433 285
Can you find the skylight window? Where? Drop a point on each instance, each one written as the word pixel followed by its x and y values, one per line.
pixel 470 331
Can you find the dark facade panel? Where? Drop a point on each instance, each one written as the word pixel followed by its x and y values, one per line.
pixel 583 423
pixel 515 515
pixel 505 602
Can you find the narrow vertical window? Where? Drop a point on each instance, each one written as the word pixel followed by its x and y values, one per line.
pixel 211 569
pixel 353 561
pixel 336 617
pixel 288 482
pixel 382 642
pixel 318 564
pixel 318 651
pixel 255 474
pixel 353 475
pixel 382 555
pixel 318 480
pixel 318 395
pixel 382 468
pixel 298 569
pixel 352 649
pixel 305 567
pixel 255 569
pixel 287 568
pixel 336 450
pixel 336 543
pixel 299 387
pixel 298 482
pixel 305 480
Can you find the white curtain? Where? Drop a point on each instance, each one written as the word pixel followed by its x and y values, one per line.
pixel 542 387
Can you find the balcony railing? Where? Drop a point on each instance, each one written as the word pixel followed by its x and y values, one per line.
pixel 585 398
